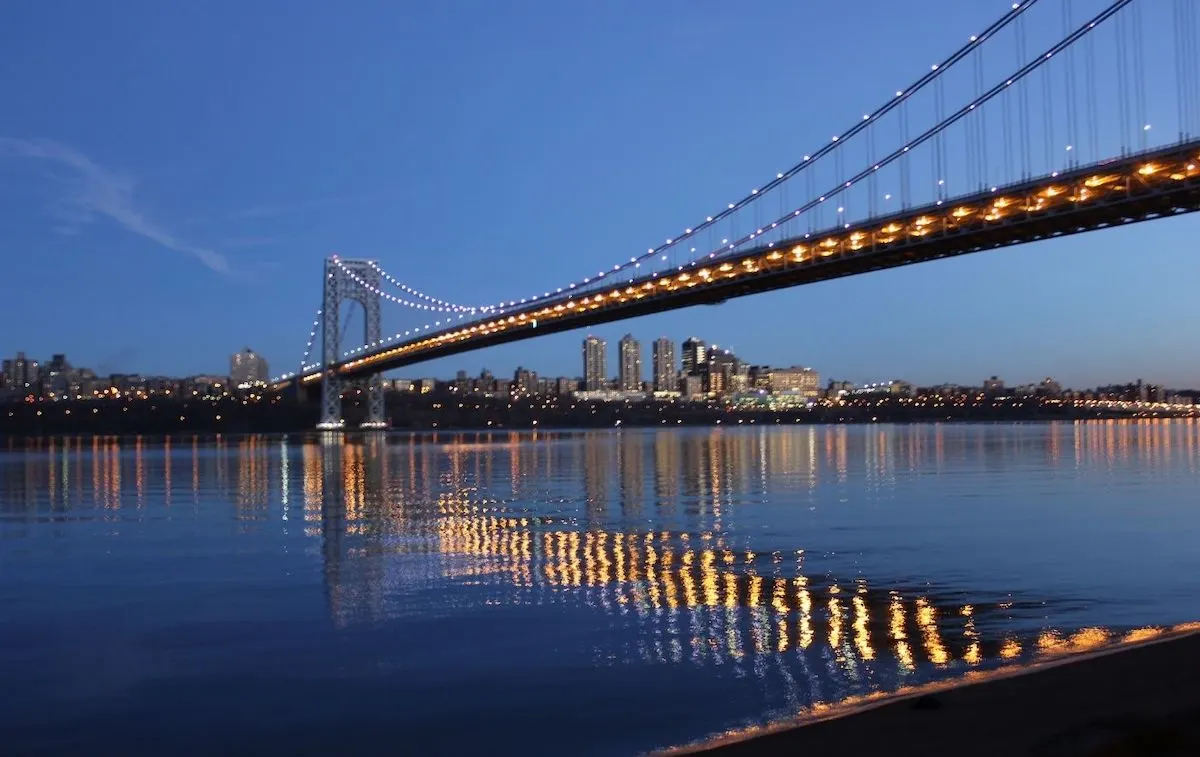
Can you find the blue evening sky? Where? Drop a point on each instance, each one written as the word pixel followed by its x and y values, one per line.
pixel 173 174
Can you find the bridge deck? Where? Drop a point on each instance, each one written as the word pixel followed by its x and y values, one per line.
pixel 1120 191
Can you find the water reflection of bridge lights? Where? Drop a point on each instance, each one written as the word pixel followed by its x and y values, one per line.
pixel 683 593
pixel 666 577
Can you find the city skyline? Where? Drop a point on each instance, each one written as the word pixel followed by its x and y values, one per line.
pixel 165 217
pixel 693 358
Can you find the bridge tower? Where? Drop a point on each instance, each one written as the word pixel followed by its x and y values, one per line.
pixel 348 281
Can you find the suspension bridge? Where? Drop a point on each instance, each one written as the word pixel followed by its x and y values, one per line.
pixel 1058 118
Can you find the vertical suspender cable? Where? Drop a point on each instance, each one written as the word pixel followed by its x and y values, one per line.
pixel 1190 64
pixel 1122 85
pixel 1069 90
pixel 1142 118
pixel 812 189
pixel 982 131
pixel 970 147
pixel 939 142
pixel 1180 97
pixel 1048 118
pixel 840 170
pixel 871 184
pixel 905 162
pixel 1006 108
pixel 1023 96
pixel 1091 97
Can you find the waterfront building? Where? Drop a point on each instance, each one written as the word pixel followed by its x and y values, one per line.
pixel 692 387
pixel 20 372
pixel 525 381
pixel 805 381
pixel 630 359
pixel 1050 388
pixel 695 357
pixel 247 368
pixel 722 367
pixel 567 386
pixel 595 364
pixel 664 365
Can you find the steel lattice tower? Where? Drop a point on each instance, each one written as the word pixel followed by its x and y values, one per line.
pixel 349 281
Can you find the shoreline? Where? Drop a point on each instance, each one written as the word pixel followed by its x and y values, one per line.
pixel 227 423
pixel 1135 697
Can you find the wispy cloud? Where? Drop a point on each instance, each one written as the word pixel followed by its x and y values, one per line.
pixel 302 206
pixel 234 242
pixel 94 190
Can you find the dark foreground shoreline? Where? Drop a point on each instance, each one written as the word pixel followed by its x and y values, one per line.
pixel 1122 700
pixel 432 413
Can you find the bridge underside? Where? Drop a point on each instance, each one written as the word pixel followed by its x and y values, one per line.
pixel 1118 192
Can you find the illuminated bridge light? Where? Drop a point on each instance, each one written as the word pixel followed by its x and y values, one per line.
pixel 1036 197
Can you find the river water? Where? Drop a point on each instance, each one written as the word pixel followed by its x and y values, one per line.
pixel 600 592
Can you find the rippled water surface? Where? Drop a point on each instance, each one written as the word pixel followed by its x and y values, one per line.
pixel 561 593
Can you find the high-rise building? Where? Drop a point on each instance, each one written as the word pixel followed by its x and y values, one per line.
pixel 1050 388
pixel 595 364
pixel 247 367
pixel 462 382
pixel 722 365
pixel 58 375
pixel 760 377
pixel 17 370
pixel 22 373
pixel 566 386
pixel 664 365
pixel 525 381
pixel 695 356
pixel 804 381
pixel 630 364
pixel 33 373
pixel 8 374
pixel 486 383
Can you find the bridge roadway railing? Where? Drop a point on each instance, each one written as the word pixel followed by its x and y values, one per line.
pixel 1139 187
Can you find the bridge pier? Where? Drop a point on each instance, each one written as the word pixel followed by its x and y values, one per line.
pixel 349 281
pixel 375 417
pixel 331 402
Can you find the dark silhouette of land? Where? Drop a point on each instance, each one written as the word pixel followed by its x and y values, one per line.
pixel 419 412
pixel 1138 702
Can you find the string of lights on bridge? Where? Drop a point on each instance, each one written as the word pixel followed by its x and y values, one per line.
pixel 461 313
pixel 1027 69
pixel 936 71
pixel 902 95
pixel 728 246
pixel 755 238
pixel 437 304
